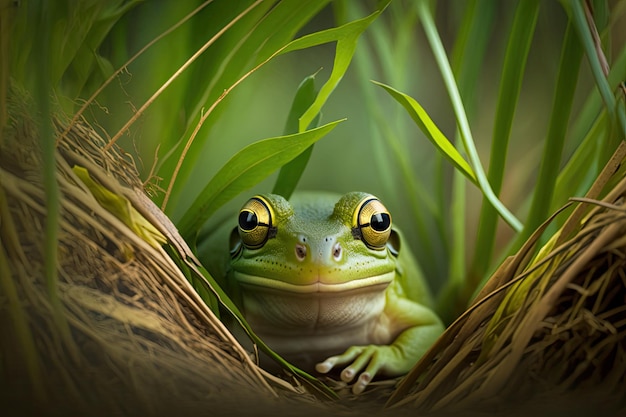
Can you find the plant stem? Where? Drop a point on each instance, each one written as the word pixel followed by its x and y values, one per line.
pixel 571 57
pixel 463 124
pixel 514 64
pixel 593 54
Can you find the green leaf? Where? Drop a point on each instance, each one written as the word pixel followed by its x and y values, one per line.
pixel 248 167
pixel 431 131
pixel 290 173
pixel 617 114
pixel 465 133
pixel 346 37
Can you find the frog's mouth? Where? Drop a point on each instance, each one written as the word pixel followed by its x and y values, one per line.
pixel 277 307
pixel 373 283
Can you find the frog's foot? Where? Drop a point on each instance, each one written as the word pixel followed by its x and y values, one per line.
pixel 372 358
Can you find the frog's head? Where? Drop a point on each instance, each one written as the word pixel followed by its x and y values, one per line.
pixel 314 261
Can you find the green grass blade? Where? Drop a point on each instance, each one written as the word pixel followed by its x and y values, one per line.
pixel 431 131
pixel 245 169
pixel 593 105
pixel 468 60
pixel 387 53
pixel 251 41
pixel 457 104
pixel 290 173
pixel 516 56
pixel 617 114
pixel 571 58
pixel 346 37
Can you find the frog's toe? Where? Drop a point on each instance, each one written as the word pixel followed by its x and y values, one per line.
pixel 333 361
pixel 326 366
pixel 359 386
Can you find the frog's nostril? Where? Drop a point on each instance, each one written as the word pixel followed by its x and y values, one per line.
pixel 337 252
pixel 300 251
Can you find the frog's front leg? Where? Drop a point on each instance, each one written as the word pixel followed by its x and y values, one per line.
pixel 422 328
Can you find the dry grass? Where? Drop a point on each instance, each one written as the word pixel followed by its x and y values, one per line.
pixel 548 332
pixel 140 339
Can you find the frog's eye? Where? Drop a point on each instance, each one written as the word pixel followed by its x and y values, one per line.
pixel 372 223
pixel 255 223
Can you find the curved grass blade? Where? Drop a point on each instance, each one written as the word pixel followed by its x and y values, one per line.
pixel 439 53
pixel 513 67
pixel 245 169
pixel 432 132
pixel 290 173
pixel 584 25
pixel 346 37
pixel 571 58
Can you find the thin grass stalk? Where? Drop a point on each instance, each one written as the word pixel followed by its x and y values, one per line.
pixel 51 187
pixel 585 26
pixel 117 72
pixel 203 118
pixel 510 85
pixel 19 320
pixel 6 18
pixel 176 74
pixel 386 135
pixel 467 60
pixel 571 57
pixel 444 66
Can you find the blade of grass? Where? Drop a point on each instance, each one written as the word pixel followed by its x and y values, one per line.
pixel 346 37
pixel 466 135
pixel 391 52
pixel 290 173
pixel 593 104
pixel 467 62
pixel 517 49
pixel 117 72
pixel 254 40
pixel 431 131
pixel 42 91
pixel 176 74
pixel 585 28
pixel 15 309
pixel 571 58
pixel 249 166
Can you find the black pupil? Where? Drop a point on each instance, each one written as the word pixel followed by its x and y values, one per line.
pixel 380 222
pixel 248 220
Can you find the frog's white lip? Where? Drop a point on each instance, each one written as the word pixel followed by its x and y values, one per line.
pixel 315 287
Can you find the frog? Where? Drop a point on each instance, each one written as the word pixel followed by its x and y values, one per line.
pixel 323 280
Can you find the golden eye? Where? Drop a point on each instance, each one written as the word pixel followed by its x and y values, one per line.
pixel 255 223
pixel 373 222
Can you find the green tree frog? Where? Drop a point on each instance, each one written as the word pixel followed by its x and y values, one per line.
pixel 323 281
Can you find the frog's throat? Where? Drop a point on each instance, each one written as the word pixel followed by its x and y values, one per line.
pixel 374 281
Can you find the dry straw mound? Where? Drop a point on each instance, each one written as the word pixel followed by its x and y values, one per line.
pixel 121 331
pixel 127 334
pixel 547 335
